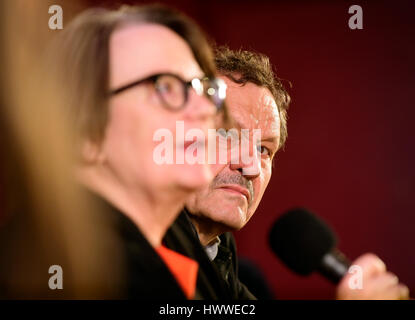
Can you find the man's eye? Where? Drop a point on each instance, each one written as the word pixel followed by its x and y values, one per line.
pixel 264 151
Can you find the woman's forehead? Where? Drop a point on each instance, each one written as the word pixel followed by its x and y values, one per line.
pixel 138 50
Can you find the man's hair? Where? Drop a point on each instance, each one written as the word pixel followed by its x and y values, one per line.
pixel 243 66
pixel 80 58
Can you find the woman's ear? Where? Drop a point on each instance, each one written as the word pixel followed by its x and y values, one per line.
pixel 92 153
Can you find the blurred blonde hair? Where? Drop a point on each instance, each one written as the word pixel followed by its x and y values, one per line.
pixel 46 218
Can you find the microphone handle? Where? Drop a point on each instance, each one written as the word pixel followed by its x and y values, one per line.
pixel 334 266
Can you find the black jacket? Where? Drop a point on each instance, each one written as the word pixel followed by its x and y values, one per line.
pixel 145 274
pixel 182 237
pixel 227 262
pixel 217 279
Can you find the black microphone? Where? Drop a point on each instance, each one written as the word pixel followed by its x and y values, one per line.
pixel 306 244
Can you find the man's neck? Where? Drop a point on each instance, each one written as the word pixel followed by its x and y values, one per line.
pixel 207 230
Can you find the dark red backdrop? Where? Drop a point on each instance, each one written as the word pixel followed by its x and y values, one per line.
pixel 350 154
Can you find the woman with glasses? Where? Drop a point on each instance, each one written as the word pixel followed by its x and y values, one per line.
pixel 127 74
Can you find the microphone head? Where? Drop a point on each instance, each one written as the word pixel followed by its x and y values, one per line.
pixel 301 239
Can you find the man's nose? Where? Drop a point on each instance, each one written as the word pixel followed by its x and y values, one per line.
pixel 248 161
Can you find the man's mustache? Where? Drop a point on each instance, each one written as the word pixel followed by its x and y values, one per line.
pixel 237 179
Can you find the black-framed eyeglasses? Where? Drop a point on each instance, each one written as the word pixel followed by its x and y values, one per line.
pixel 173 91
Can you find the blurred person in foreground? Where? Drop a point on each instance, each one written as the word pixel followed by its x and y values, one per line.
pixel 256 99
pixel 45 219
pixel 129 73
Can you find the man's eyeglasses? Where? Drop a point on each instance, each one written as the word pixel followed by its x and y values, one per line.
pixel 173 91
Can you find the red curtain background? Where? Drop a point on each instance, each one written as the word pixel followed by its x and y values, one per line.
pixel 350 153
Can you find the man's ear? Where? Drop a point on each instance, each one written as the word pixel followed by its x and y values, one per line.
pixel 92 152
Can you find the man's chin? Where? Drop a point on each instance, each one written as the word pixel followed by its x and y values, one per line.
pixel 231 197
pixel 232 222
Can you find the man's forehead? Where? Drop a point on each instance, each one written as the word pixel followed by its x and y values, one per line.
pixel 252 106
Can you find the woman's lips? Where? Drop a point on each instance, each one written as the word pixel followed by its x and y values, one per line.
pixel 234 188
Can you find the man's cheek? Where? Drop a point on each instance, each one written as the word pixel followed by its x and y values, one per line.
pixel 265 179
pixel 216 168
pixel 259 189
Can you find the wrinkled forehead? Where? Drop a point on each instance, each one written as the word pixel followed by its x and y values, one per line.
pixel 139 50
pixel 253 107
